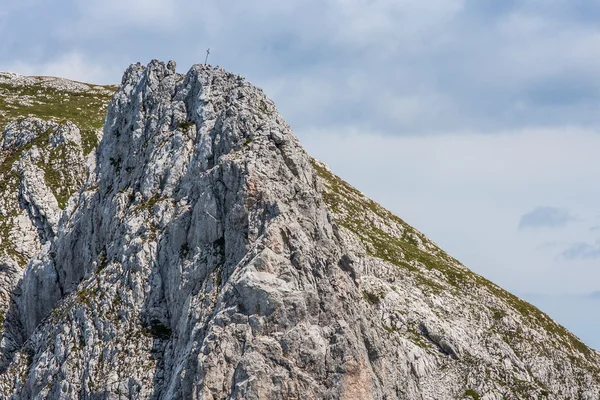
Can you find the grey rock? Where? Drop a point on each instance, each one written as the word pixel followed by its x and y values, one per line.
pixel 208 256
pixel 44 158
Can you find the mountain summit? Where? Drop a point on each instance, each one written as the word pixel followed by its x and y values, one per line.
pixel 207 256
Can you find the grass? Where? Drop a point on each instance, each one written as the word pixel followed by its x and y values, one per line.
pixel 149 204
pixel 185 125
pixel 472 394
pixel 373 298
pixel 61 183
pixel 86 109
pixel 89 140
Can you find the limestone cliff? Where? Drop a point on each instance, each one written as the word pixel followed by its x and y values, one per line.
pixel 207 256
pixel 49 129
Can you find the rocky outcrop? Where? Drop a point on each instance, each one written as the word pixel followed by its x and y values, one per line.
pixel 208 256
pixel 41 165
pixel 48 129
pixel 44 159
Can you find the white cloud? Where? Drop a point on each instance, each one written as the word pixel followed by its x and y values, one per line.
pixel 395 66
pixel 390 23
pixel 131 14
pixel 75 66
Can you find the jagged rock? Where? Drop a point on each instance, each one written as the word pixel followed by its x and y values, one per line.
pixel 43 160
pixel 208 256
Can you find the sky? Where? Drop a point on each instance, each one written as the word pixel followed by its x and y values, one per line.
pixel 476 121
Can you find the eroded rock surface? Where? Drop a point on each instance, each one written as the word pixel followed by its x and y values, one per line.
pixel 208 256
pixel 45 157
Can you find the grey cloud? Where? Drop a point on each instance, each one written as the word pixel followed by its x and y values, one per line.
pixel 582 251
pixel 545 217
pixel 595 295
pixel 394 67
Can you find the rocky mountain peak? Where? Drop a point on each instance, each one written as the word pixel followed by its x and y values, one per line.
pixel 206 255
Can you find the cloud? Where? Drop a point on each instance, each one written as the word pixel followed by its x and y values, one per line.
pixel 595 295
pixel 131 14
pixel 545 217
pixel 395 67
pixel 547 245
pixel 595 228
pixel 582 251
pixel 76 66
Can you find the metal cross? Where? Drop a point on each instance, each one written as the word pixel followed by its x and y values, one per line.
pixel 207 54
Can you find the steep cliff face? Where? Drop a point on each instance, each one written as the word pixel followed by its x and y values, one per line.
pixel 208 256
pixel 49 127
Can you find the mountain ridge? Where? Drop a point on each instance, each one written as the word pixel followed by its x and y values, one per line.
pixel 238 254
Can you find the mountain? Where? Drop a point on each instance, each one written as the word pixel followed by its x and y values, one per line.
pixel 200 253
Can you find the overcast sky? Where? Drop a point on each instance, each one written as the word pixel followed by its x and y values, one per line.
pixel 474 120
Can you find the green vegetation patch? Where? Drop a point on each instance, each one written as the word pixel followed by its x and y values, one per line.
pixel 373 297
pixel 185 125
pixel 89 140
pixel 57 175
pixel 86 109
pixel 352 210
pixel 149 204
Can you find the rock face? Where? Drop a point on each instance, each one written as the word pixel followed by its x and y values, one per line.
pixel 208 256
pixel 44 159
